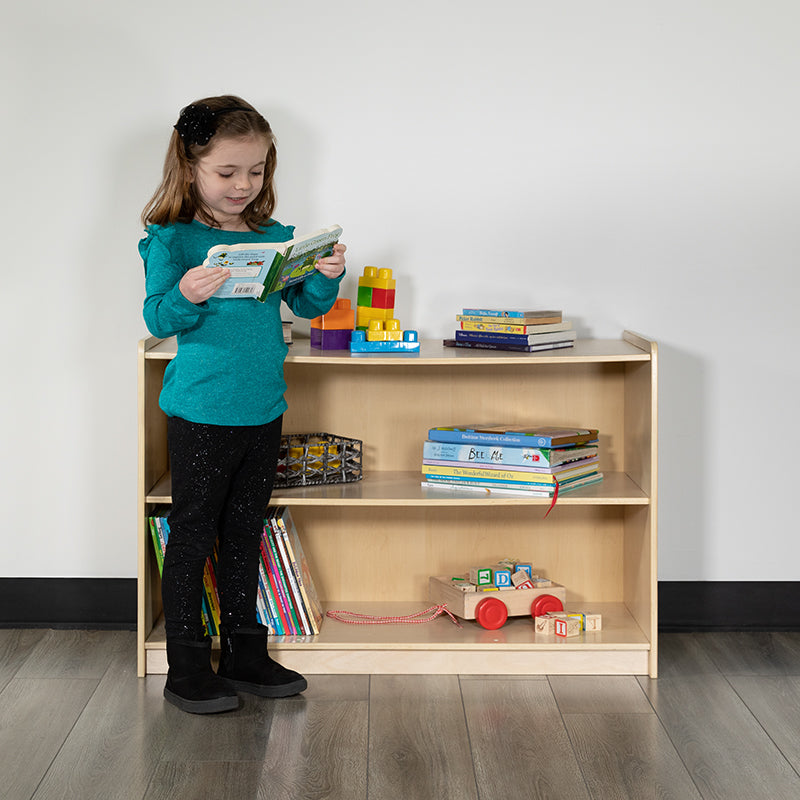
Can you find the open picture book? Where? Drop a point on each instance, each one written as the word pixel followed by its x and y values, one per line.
pixel 257 270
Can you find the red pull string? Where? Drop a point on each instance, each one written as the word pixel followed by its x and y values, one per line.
pixel 353 618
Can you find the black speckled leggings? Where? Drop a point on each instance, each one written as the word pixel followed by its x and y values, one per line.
pixel 221 484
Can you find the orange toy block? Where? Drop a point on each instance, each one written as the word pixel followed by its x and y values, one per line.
pixel 340 317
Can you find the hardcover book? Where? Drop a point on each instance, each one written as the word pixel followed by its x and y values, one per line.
pixel 501 487
pixel 458 474
pixel 514 348
pixel 520 316
pixel 570 468
pixel 515 338
pixel 509 326
pixel 508 456
pixel 536 436
pixel 257 270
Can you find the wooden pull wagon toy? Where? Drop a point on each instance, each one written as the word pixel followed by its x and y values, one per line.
pixel 490 595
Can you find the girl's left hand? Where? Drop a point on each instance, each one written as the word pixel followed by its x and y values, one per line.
pixel 333 266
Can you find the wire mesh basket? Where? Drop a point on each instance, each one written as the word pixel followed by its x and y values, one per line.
pixel 309 459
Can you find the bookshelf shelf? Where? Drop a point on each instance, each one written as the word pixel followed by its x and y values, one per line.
pixel 372 544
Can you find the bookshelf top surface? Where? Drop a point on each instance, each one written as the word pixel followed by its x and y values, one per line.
pixel 432 352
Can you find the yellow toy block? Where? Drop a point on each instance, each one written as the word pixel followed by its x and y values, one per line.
pixel 365 315
pixel 388 331
pixel 376 278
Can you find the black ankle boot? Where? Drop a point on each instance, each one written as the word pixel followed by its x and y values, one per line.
pixel 247 665
pixel 191 683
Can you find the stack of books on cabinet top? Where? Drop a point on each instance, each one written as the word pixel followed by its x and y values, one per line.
pixel 520 330
pixel 536 461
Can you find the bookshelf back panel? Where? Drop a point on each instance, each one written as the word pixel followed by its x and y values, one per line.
pixel 380 554
pixel 391 408
pixel 156 460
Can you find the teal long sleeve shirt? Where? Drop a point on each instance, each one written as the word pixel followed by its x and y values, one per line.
pixel 229 366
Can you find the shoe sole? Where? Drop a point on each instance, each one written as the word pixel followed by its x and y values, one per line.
pixel 214 706
pixel 278 690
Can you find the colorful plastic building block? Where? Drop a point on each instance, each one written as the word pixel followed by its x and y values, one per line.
pixel 376 295
pixel 388 331
pixel 409 344
pixel 332 331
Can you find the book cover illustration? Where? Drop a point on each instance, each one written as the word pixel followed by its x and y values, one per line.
pixel 257 270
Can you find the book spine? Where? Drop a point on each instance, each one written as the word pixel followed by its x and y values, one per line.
pixel 263 603
pixel 494 313
pixel 482 487
pixel 547 490
pixel 572 468
pixel 513 338
pixel 495 326
pixel 271 281
pixel 280 583
pixel 205 616
pixel 443 473
pixel 273 585
pixel 297 572
pixel 291 580
pixel 448 482
pixel 157 545
pixel 472 437
pixel 209 583
pixel 269 593
pixel 270 601
pixel 504 456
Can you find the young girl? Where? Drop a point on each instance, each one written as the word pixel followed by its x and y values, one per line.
pixel 222 393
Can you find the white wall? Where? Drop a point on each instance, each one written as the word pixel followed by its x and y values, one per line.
pixel 634 163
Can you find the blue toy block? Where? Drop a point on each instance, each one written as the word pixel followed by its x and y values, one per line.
pixel 359 344
pixel 501 577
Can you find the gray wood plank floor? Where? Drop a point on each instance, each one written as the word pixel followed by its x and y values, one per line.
pixel 722 721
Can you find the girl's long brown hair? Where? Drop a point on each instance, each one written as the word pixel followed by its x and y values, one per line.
pixel 176 198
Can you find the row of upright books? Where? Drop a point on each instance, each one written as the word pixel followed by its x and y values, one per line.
pixel 287 601
pixel 536 462
pixel 520 330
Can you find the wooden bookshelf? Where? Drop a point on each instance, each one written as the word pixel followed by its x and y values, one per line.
pixel 373 544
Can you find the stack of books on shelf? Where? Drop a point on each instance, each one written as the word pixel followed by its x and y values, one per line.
pixel 536 461
pixel 512 329
pixel 287 601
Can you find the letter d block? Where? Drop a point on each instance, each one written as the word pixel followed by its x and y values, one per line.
pixel 501 577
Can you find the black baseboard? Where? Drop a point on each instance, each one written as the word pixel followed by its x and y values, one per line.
pixel 682 605
pixel 728 606
pixel 100 603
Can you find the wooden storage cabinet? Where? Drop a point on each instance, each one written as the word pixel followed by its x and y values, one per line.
pixel 372 545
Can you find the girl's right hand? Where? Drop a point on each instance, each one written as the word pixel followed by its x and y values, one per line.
pixel 199 283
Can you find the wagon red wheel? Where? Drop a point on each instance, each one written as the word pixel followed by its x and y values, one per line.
pixel 491 613
pixel 545 603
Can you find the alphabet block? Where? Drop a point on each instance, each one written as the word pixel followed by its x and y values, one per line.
pixel 480 576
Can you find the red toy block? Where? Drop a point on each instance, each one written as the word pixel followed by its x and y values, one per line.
pixel 382 298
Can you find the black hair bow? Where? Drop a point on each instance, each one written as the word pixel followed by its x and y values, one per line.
pixel 197 122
